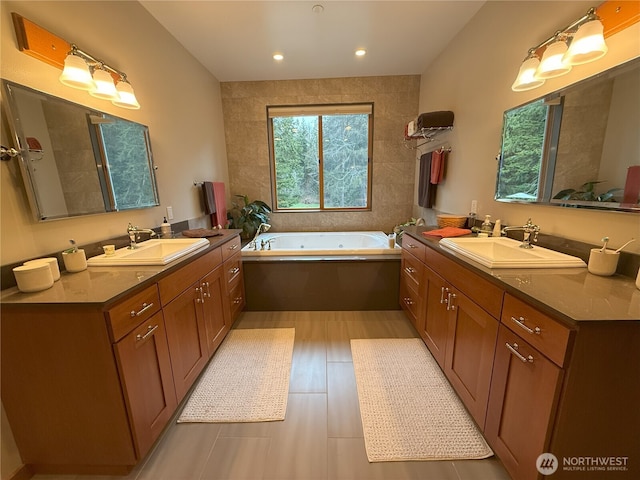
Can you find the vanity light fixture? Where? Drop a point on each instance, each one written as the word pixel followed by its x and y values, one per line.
pixel 526 79
pixel 278 57
pixel 79 69
pixel 361 52
pixel 76 72
pixel 580 42
pixel 100 84
pixel 553 62
pixel 105 88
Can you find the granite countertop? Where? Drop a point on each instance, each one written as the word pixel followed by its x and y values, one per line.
pixel 571 294
pixel 101 285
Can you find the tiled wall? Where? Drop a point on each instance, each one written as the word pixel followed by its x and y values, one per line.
pixel 395 101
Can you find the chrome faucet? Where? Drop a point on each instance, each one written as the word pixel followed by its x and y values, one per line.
pixel 264 227
pixel 134 235
pixel 530 233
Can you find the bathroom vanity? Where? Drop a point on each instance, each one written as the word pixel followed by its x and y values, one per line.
pixel 94 367
pixel 544 360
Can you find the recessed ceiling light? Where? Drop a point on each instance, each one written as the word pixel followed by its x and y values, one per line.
pixel 278 56
pixel 361 52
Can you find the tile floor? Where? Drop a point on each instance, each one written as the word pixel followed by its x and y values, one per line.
pixel 321 437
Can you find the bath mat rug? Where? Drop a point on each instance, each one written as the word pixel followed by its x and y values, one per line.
pixel 409 410
pixel 247 379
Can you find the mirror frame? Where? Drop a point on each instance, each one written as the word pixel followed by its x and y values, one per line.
pixel 100 153
pixel 549 149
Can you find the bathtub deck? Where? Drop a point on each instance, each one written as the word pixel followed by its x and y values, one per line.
pixel 345 284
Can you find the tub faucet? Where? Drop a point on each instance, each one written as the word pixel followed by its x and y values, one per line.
pixel 528 228
pixel 264 227
pixel 134 235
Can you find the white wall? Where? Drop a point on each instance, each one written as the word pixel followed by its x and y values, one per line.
pixel 180 103
pixel 473 78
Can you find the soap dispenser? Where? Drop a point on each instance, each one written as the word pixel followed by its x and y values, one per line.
pixel 165 228
pixel 485 228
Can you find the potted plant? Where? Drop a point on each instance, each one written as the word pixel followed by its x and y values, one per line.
pixel 248 216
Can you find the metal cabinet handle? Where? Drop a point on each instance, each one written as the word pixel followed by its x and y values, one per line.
pixel 450 298
pixel 233 247
pixel 408 300
pixel 520 322
pixel 514 349
pixel 410 270
pixel 199 299
pixel 208 292
pixel 150 331
pixel 443 290
pixel 234 270
pixel 237 300
pixel 411 245
pixel 145 307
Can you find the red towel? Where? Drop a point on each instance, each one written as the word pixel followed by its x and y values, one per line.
pixel 219 217
pixel 447 232
pixel 632 185
pixel 437 166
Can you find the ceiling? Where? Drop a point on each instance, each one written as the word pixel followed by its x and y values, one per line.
pixel 236 40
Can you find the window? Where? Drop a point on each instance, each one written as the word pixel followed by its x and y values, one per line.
pixel 523 138
pixel 321 157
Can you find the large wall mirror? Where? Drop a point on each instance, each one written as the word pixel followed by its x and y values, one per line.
pixel 578 147
pixel 76 160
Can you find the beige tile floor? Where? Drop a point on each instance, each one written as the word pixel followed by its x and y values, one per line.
pixel 321 437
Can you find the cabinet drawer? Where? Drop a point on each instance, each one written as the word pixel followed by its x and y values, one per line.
pixel 230 248
pixel 412 270
pixel 409 301
pixel 236 299
pixel 233 269
pixel 129 313
pixel 172 285
pixel 413 246
pixel 541 331
pixel 484 293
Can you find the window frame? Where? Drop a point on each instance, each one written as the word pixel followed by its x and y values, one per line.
pixel 320 110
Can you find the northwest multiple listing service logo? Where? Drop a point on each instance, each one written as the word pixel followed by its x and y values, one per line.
pixel 548 464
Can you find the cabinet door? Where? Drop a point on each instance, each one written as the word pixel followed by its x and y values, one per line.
pixel 215 321
pixel 187 338
pixel 434 331
pixel 524 388
pixel 145 368
pixel 471 342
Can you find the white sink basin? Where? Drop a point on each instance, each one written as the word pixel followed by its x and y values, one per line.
pixel 501 252
pixel 151 252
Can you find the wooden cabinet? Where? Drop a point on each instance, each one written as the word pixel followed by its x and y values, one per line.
pixel 455 312
pixel 187 338
pixel 194 317
pixel 216 317
pixel 461 336
pixel 145 369
pixel 434 330
pixel 89 387
pixel 523 398
pixel 542 382
pixel 471 340
pixel 411 283
pixel 235 299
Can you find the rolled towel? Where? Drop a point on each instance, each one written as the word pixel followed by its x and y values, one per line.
pixel 435 119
